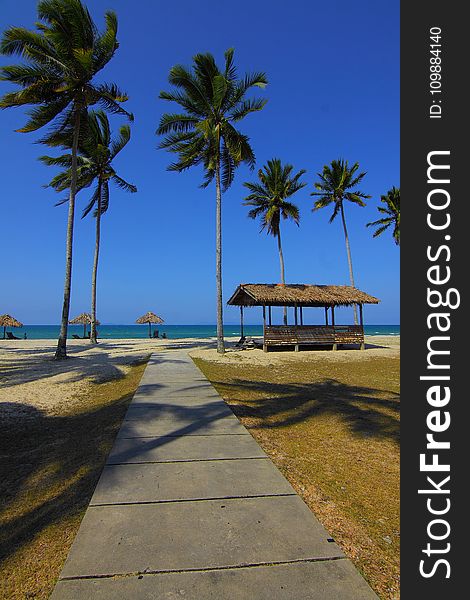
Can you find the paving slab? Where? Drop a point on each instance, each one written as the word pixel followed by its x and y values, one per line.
pixel 324 580
pixel 182 426
pixel 135 538
pixel 176 375
pixel 164 482
pixel 190 448
pixel 152 392
pixel 175 398
pixel 214 410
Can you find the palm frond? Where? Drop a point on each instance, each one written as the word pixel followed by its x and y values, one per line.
pixel 175 122
pixel 92 202
pixel 391 208
pixel 124 185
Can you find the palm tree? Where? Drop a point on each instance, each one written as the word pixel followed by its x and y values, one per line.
pixel 97 153
pixel 337 183
pixel 269 201
pixel 213 101
pixel 392 210
pixel 61 59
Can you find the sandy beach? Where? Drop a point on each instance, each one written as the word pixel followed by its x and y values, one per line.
pixel 29 377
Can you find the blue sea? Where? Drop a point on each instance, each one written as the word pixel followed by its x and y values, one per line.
pixel 113 332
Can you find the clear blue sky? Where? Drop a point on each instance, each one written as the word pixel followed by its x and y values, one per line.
pixel 333 70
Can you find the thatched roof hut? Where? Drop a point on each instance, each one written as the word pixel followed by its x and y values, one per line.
pixel 300 296
pixel 149 318
pixel 8 321
pixel 83 319
pixel 277 294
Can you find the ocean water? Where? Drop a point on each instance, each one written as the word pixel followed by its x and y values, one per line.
pixel 113 332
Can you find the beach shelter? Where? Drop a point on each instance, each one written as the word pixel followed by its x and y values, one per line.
pixel 8 321
pixel 83 319
pixel 299 297
pixel 149 318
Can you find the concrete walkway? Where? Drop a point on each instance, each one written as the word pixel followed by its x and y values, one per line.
pixel 189 506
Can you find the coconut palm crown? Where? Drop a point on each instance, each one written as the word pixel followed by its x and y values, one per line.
pixel 268 200
pixel 213 100
pixel 97 152
pixel 338 182
pixel 269 197
pixel 60 60
pixel 391 200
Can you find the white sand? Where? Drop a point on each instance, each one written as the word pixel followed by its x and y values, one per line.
pixel 386 345
pixel 30 378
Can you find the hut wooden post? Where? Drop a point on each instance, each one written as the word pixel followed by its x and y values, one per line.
pixel 241 320
pixel 295 315
pixel 265 348
pixel 326 315
pixel 301 316
pixel 335 345
pixel 270 320
pixel 361 319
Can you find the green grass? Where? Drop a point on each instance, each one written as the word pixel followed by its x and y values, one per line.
pixel 332 427
pixel 49 467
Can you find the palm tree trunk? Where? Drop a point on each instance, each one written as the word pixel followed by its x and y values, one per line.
pixel 281 260
pixel 218 257
pixel 61 351
pixel 93 338
pixel 348 251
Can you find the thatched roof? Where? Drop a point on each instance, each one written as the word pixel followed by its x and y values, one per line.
pixel 9 321
pixel 83 319
pixel 276 294
pixel 149 317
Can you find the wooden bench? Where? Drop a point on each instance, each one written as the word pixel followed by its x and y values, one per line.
pixel 304 335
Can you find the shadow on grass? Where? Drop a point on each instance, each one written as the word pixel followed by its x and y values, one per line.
pixel 49 466
pixel 367 412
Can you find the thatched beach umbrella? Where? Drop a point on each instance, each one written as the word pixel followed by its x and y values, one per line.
pixel 83 319
pixel 149 318
pixel 8 321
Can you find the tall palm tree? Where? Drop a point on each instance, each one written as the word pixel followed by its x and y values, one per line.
pixel 337 184
pixel 97 152
pixel 213 101
pixel 61 59
pixel 269 201
pixel 392 210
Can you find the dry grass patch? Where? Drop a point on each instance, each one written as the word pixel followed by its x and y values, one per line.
pixel 332 427
pixel 49 467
